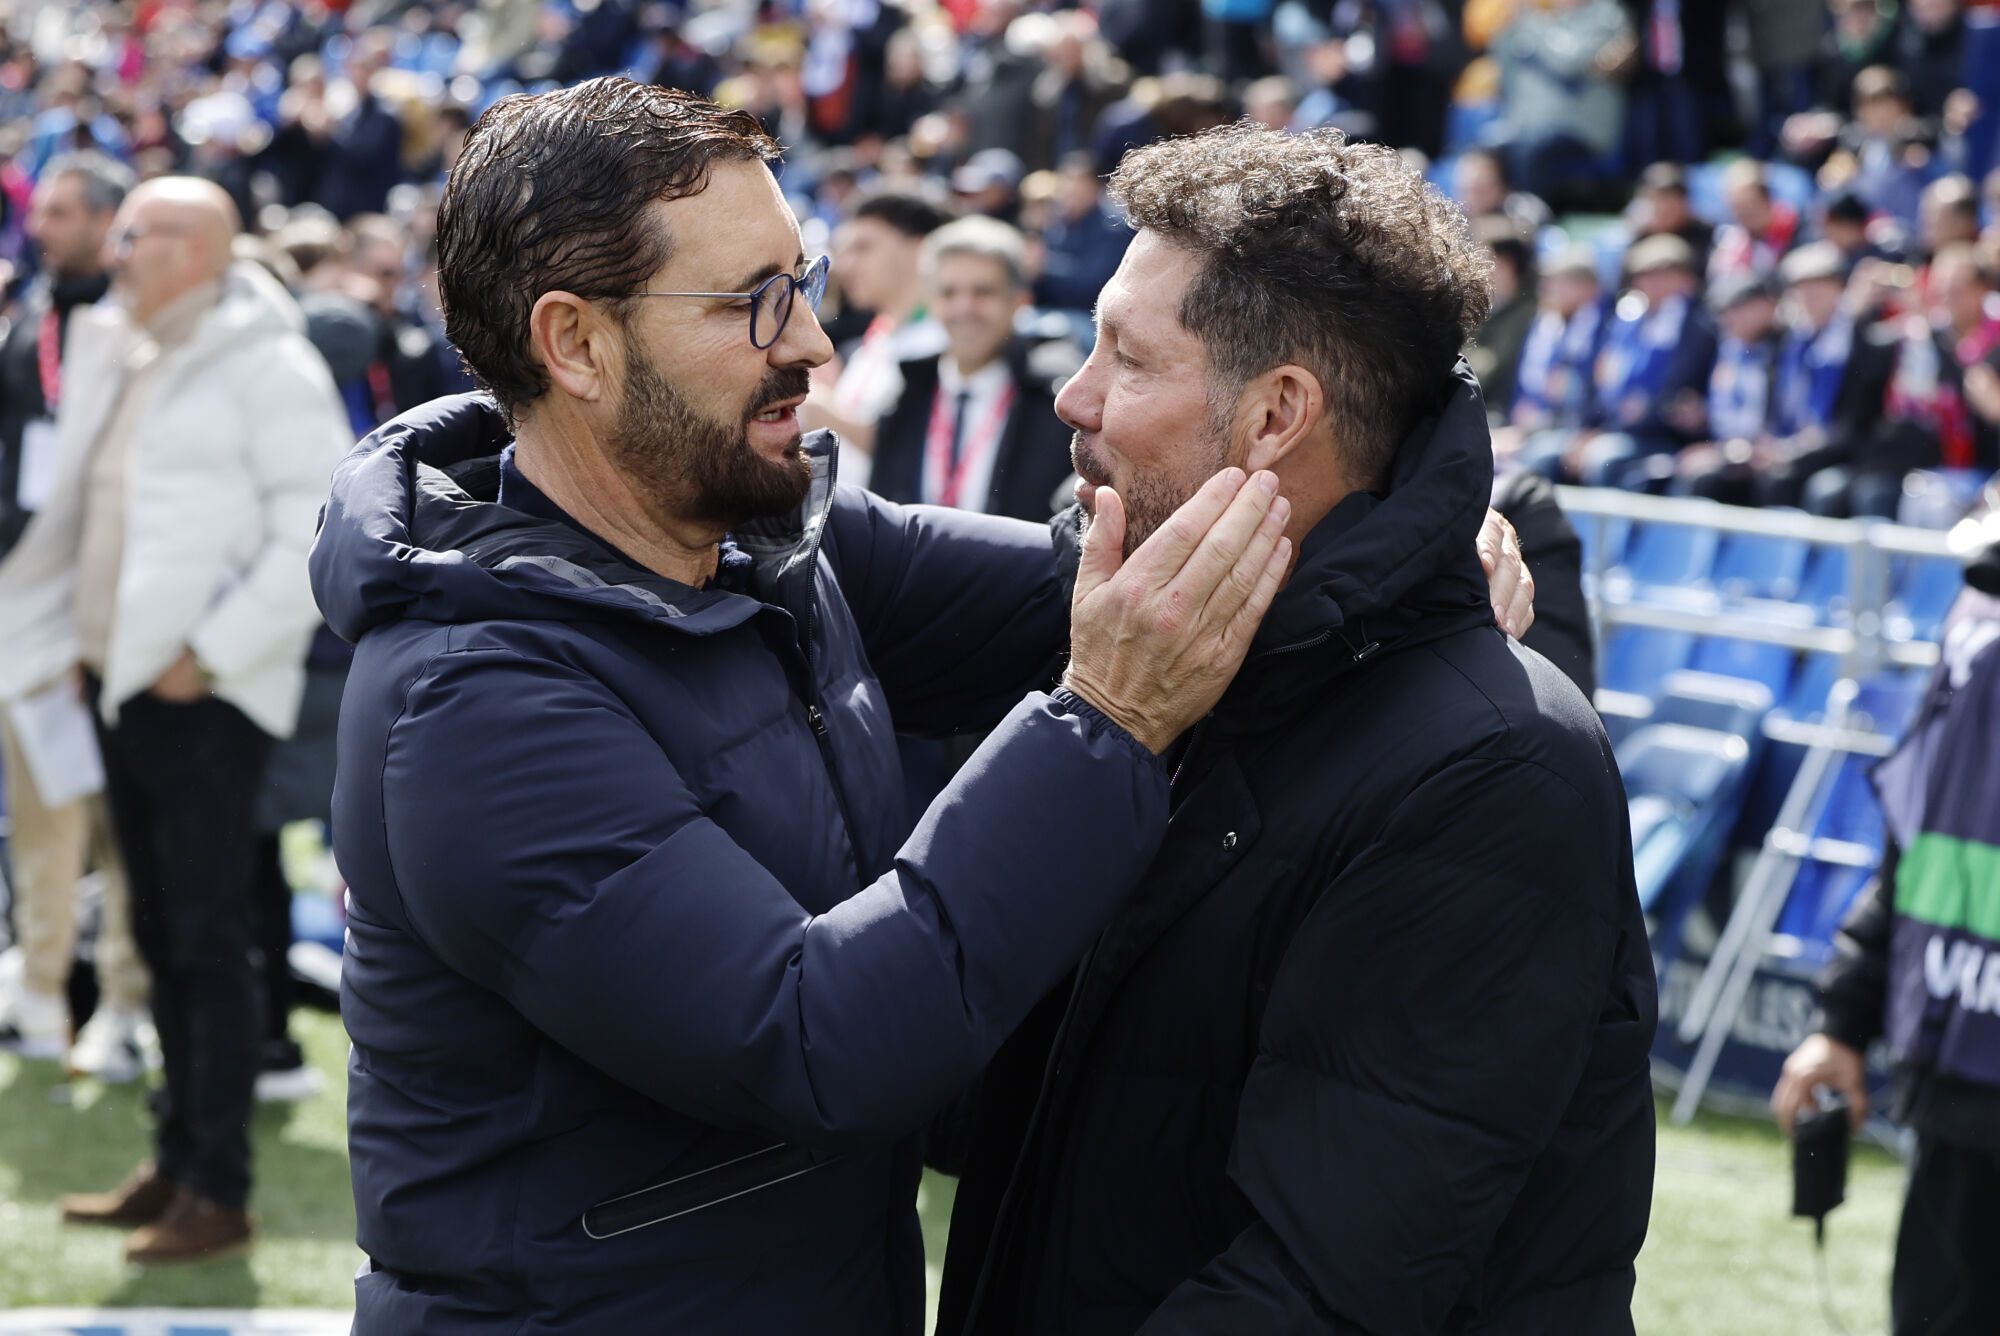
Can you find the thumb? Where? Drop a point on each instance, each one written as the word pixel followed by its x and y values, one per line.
pixel 1103 543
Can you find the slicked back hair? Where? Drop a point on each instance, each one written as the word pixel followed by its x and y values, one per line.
pixel 1332 256
pixel 553 193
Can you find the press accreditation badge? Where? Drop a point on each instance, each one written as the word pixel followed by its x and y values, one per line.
pixel 38 464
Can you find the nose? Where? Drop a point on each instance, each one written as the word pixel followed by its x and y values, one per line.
pixel 804 342
pixel 1080 402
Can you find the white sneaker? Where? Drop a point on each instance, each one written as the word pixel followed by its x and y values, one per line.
pixel 35 1026
pixel 289 1085
pixel 112 1046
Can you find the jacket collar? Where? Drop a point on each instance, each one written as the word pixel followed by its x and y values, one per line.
pixel 403 537
pixel 1382 567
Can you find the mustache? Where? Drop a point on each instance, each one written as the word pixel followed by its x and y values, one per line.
pixel 787 382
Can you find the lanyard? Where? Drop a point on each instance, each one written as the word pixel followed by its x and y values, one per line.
pixel 973 450
pixel 48 359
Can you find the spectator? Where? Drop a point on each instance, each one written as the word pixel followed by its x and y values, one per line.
pixel 1785 41
pixel 1661 207
pixel 1908 407
pixel 1496 354
pixel 1650 386
pixel 1885 154
pixel 1844 222
pixel 411 365
pixel 1929 51
pixel 1812 365
pixel 1083 240
pixel 877 262
pixel 52 841
pixel 1947 214
pixel 975 427
pixel 361 156
pixel 206 428
pixel 1552 387
pixel 1479 182
pixel 1742 392
pixel 990 183
pixel 1562 108
pixel 1760 230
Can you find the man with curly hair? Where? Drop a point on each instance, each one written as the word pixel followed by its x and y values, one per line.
pixel 1367 1052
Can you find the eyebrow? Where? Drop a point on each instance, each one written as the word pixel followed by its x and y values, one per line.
pixel 766 272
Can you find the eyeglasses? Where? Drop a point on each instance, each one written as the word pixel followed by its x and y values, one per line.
pixel 771 300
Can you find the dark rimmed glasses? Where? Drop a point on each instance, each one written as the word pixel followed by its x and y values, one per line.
pixel 771 301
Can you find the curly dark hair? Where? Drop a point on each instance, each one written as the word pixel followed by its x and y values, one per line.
pixel 1337 257
pixel 551 193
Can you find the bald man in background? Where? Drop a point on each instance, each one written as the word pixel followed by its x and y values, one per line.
pixel 196 434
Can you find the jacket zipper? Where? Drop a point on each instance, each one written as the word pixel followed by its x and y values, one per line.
pixel 815 717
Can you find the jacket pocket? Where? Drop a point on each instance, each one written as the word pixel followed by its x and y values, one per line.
pixel 676 1197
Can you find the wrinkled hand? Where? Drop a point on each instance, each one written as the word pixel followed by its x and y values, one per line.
pixel 1155 639
pixel 1508 581
pixel 183 683
pixel 1821 1061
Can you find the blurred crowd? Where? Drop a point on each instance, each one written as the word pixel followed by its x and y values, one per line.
pixel 1745 248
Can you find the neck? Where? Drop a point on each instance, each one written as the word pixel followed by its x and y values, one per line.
pixel 571 468
pixel 904 306
pixel 973 364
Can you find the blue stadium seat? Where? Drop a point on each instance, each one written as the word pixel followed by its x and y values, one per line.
pixel 1851 812
pixel 1758 566
pixel 1810 686
pixel 1637 659
pixel 1722 703
pixel 1825 584
pixel 1889 699
pixel 1926 587
pixel 1615 533
pixel 1680 784
pixel 1672 556
pixel 1820 898
pixel 1769 665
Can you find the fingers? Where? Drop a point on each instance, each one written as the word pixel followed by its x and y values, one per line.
pixel 1162 555
pixel 1103 543
pixel 1250 615
pixel 1785 1103
pixel 1240 581
pixel 1521 610
pixel 1224 545
pixel 1856 1091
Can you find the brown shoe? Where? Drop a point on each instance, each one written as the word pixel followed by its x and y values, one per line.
pixel 193 1229
pixel 140 1200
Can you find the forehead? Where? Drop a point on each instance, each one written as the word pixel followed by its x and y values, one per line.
pixel 963 268
pixel 1143 299
pixel 736 226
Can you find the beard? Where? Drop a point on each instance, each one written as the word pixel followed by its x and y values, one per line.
pixel 1152 498
pixel 703 469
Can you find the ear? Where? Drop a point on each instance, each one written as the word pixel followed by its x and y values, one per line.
pixel 1281 410
pixel 577 345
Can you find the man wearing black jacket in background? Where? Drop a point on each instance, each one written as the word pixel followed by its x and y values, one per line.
pixel 1367 1052
pixel 68 220
pixel 975 427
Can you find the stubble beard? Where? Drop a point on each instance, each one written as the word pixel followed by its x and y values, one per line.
pixel 703 469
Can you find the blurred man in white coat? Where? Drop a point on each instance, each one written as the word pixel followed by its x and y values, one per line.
pixel 197 434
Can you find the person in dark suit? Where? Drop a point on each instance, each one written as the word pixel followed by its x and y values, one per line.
pixel 976 427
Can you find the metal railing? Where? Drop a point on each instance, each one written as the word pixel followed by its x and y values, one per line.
pixel 1864 646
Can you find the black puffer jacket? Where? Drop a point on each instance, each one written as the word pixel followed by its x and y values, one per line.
pixel 1368 1051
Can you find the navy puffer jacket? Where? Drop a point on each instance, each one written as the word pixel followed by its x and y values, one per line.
pixel 649 984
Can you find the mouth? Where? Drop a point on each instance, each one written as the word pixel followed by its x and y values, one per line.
pixel 784 414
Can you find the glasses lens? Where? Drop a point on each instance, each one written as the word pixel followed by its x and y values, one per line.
pixel 815 282
pixel 773 308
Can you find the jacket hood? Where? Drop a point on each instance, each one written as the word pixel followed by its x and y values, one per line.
pixel 1378 566
pixel 411 531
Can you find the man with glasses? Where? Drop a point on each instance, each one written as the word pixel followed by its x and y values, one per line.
pixel 650 984
pixel 196 431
